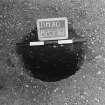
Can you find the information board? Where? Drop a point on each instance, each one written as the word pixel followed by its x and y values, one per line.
pixel 52 28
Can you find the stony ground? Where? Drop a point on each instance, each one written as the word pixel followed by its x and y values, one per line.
pixel 87 87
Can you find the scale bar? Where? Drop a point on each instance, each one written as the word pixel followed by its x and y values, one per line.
pixel 36 43
pixel 65 41
pixel 59 42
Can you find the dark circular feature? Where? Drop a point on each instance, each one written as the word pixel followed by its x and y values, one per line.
pixel 51 62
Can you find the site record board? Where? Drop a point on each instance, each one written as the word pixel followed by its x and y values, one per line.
pixel 52 29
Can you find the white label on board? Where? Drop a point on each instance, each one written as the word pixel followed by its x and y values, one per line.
pixel 52 28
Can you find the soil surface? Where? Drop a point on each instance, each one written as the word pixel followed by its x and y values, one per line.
pixel 86 87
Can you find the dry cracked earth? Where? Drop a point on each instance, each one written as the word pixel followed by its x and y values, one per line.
pixel 86 87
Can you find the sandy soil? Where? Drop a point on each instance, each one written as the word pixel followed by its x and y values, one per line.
pixel 17 17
